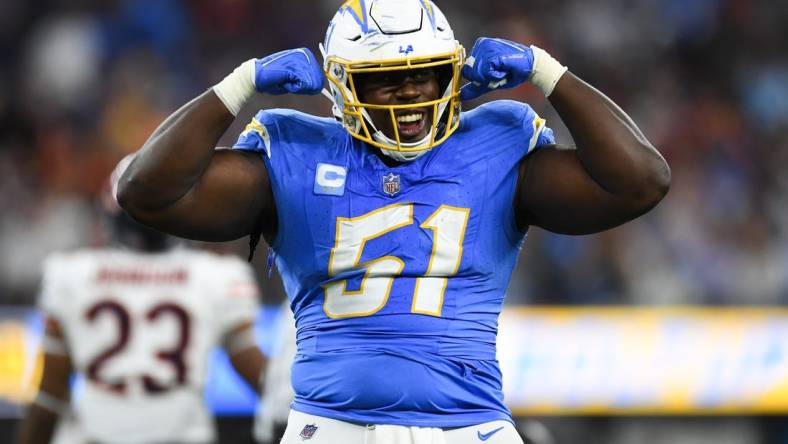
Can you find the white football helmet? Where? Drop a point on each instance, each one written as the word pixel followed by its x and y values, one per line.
pixel 391 35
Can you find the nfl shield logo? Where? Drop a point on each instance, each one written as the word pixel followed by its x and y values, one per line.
pixel 391 184
pixel 308 431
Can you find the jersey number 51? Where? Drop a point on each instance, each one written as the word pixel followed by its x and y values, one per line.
pixel 448 232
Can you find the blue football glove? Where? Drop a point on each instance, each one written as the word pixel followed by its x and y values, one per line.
pixel 496 64
pixel 294 71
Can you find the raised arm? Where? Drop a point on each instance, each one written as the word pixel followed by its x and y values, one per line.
pixel 181 184
pixel 612 176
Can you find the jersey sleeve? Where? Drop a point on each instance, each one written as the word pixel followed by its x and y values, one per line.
pixel 279 133
pixel 511 124
pixel 533 128
pixel 237 293
pixel 259 135
pixel 54 287
pixel 541 134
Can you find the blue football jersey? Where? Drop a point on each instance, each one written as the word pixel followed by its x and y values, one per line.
pixel 396 275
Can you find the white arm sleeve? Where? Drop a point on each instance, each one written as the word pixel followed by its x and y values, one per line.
pixel 237 293
pixel 54 287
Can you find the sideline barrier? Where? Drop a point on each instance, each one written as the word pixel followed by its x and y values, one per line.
pixel 645 361
pixel 555 361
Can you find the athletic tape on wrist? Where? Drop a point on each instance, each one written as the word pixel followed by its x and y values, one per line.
pixel 547 70
pixel 50 402
pixel 235 89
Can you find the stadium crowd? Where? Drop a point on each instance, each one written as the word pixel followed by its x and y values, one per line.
pixel 84 82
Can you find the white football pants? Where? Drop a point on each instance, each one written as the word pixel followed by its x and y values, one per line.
pixel 303 428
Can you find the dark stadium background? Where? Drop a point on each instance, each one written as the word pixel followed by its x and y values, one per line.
pixel 83 83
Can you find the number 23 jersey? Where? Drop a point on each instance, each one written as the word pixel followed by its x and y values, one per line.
pixel 396 275
pixel 140 327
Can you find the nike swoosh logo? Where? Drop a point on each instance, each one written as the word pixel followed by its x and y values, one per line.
pixel 488 435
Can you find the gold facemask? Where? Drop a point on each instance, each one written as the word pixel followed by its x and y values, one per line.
pixel 356 119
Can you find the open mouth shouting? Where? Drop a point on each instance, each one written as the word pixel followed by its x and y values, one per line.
pixel 412 124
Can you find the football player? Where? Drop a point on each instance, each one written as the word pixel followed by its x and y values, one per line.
pixel 271 417
pixel 397 222
pixel 139 321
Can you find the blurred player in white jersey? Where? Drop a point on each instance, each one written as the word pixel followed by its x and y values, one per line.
pixel 139 321
pixel 271 419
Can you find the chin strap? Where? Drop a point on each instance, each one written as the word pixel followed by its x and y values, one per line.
pixel 403 156
pixel 400 156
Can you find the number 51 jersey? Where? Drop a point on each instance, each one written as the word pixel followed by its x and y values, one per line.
pixel 140 328
pixel 396 275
